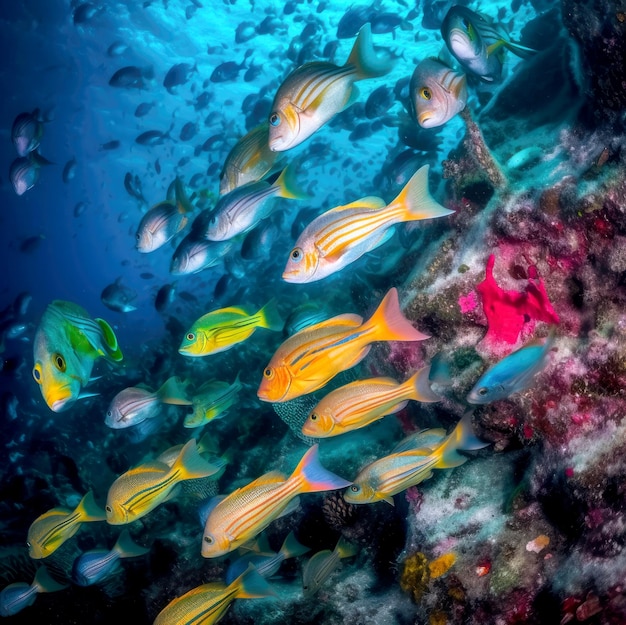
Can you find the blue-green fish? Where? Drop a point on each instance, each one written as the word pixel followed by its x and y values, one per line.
pixel 15 597
pixel 212 401
pixel 512 374
pixel 66 344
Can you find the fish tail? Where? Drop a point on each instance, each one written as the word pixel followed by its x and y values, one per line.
pixel 113 349
pixel 461 438
pixel 89 510
pixel 126 548
pixel 314 476
pixel 419 383
pixel 391 324
pixel 287 185
pixel 44 583
pixel 346 549
pixel 270 318
pixel 367 63
pixel 174 392
pixel 192 464
pixel 416 201
pixel 292 548
pixel 251 585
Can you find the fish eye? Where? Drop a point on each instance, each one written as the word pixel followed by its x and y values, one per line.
pixel 275 119
pixel 354 488
pixel 296 254
pixel 37 373
pixel 191 336
pixel 269 373
pixel 426 93
pixel 483 390
pixel 313 417
pixel 208 540
pixel 108 509
pixel 59 362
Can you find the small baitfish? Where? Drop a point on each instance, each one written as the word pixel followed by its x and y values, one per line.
pixel 15 597
pixel 212 401
pixel 138 491
pixel 66 344
pixel 512 374
pixel 136 403
pixel 323 564
pixel 360 403
pixel 246 512
pixel 97 565
pixel 26 132
pixel 207 604
pixel 307 360
pixel 315 92
pixel 159 225
pixel 50 530
pixel 392 474
pixel 222 329
pixel 343 234
pixel 437 93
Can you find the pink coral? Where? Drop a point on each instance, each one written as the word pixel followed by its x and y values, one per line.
pixel 468 302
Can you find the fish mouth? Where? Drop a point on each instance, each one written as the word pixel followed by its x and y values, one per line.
pixel 58 399
pixel 424 120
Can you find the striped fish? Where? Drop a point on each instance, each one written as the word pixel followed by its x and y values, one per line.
pixel 322 565
pixel 360 403
pixel 49 531
pixel 343 234
pixel 212 401
pixel 140 490
pixel 315 92
pixel 246 512
pixel 307 360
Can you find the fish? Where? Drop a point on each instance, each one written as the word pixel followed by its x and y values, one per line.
pixel 194 254
pixel 243 208
pixel 306 361
pixel 135 404
pixel 207 604
pixel 69 170
pixel 117 48
pixel 66 344
pixel 212 401
pixel 25 171
pixel 477 43
pixel 437 93
pixel 188 131
pixel 152 137
pixel 50 530
pixel 141 489
pixel 513 374
pixel 303 316
pixel 118 297
pixel 96 565
pixel 132 184
pixel 360 403
pixel 131 77
pixel 246 512
pixel 31 244
pixel 178 75
pixel 164 297
pixel 390 475
pixel 85 12
pixel 229 70
pixel 321 565
pixel 110 145
pixel 26 132
pixel 160 225
pixel 19 595
pixel 249 160
pixel 315 92
pixel 222 329
pixel 265 561
pixel 343 234
pixel 144 108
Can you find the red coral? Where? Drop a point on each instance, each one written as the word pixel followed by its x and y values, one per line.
pixel 508 311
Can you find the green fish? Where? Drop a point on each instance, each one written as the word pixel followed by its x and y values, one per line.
pixel 67 343
pixel 212 401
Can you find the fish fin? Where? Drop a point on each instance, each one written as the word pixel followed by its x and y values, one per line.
pixel 314 476
pixel 273 477
pixel 173 392
pixel 270 318
pixel 88 509
pixel 367 63
pixel 192 464
pixel 287 185
pixel 518 49
pixel 353 96
pixel 251 585
pixel 113 349
pixel 348 364
pixel 420 383
pixel 417 442
pixel 416 200
pixel 389 500
pixel 349 320
pixel 440 372
pixel 38 159
pixel 126 547
pixel 461 438
pixel 495 47
pixel 346 549
pixel 369 201
pixel 83 395
pixel 390 323
pixel 291 507
pixel 44 582
pixel 291 548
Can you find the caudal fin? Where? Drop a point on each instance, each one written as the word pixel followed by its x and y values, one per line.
pixel 251 585
pixel 461 438
pixel 110 341
pixel 419 382
pixel 368 64
pixel 314 476
pixel 389 322
pixel 270 318
pixel 292 548
pixel 287 186
pixel 44 583
pixel 174 392
pixel 126 548
pixel 192 464
pixel 89 510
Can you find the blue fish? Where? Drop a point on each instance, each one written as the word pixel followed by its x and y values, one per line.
pixel 15 597
pixel 512 374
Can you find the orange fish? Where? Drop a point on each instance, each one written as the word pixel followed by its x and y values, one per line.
pixel 307 360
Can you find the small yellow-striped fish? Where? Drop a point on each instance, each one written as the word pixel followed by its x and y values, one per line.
pixel 140 490
pixel 360 403
pixel 49 531
pixel 207 604
pixel 313 93
pixel 246 512
pixel 222 329
pixel 212 401
pixel 322 565
pixel 311 357
pixel 343 234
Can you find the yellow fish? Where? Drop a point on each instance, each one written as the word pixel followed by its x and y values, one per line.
pixel 246 512
pixel 222 329
pixel 207 604
pixel 311 357
pixel 212 401
pixel 140 490
pixel 429 450
pixel 66 344
pixel 360 403
pixel 49 531
pixel 343 234
pixel 315 92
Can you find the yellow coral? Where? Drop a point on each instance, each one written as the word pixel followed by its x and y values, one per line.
pixel 415 576
pixel 441 565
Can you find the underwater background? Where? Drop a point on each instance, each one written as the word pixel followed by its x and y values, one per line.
pixel 130 105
